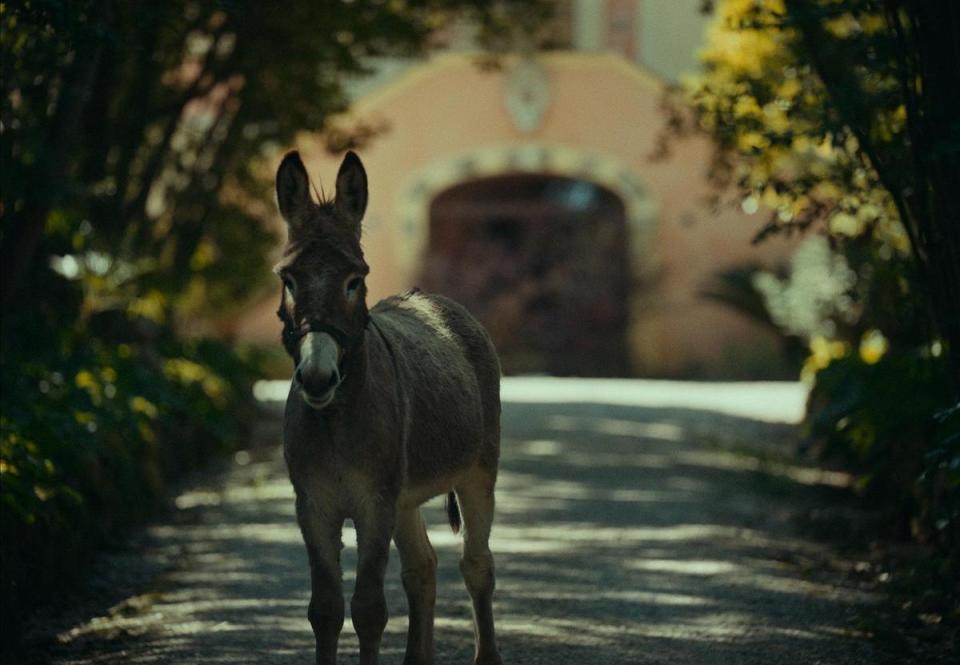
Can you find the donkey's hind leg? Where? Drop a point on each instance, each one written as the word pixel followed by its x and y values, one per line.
pixel 419 574
pixel 475 495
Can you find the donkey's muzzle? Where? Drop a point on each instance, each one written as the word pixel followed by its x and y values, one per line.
pixel 318 376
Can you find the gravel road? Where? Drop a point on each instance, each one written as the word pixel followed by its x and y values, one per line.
pixel 637 522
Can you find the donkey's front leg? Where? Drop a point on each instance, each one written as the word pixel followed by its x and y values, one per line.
pixel 368 607
pixel 322 536
pixel 419 581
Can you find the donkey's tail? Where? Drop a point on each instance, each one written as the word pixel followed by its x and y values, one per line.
pixel 453 512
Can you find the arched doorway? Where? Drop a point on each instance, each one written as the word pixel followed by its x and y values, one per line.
pixel 542 261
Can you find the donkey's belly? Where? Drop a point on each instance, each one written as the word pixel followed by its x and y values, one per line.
pixel 416 494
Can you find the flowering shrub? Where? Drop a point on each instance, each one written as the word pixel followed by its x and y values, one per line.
pixel 823 119
pixel 90 432
pixel 860 414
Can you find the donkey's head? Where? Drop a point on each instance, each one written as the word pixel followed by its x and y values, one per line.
pixel 323 303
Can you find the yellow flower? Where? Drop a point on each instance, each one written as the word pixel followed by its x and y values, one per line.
pixel 86 380
pixel 873 346
pixel 750 140
pixel 108 374
pixel 188 372
pixel 823 351
pixel 142 405
pixel 746 106
pixel 846 225
pixel 204 255
pixel 776 117
pixel 789 89
pixel 149 306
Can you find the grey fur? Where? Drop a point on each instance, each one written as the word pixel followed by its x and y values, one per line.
pixel 416 414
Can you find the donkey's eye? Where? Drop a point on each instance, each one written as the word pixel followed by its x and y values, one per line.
pixel 352 285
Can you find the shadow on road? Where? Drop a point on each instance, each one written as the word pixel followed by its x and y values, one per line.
pixel 624 534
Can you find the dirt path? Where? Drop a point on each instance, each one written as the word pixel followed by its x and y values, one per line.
pixel 632 527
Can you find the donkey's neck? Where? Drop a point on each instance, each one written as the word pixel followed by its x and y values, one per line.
pixel 355 370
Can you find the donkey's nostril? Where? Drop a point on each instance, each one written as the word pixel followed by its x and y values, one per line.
pixel 334 380
pixel 298 376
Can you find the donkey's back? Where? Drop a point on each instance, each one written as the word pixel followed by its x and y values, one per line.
pixel 449 377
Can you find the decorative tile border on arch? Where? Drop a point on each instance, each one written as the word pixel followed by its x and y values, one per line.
pixel 413 204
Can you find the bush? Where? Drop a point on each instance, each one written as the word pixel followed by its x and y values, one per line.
pixel 92 429
pixel 939 484
pixel 881 397
pixel 874 416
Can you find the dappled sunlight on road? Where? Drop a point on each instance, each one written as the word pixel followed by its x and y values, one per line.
pixel 624 534
pixel 768 401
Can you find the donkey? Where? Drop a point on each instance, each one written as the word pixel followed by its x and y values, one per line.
pixel 387 409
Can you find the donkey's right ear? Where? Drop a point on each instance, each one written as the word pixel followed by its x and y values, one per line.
pixel 293 191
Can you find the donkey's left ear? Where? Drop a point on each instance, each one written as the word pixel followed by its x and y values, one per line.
pixel 293 191
pixel 351 198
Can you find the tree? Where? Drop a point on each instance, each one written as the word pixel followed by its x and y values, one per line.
pixel 131 121
pixel 848 112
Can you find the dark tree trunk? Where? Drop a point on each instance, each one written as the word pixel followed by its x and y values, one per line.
pixel 930 37
pixel 48 184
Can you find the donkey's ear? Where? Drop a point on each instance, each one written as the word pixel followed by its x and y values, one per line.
pixel 293 191
pixel 351 199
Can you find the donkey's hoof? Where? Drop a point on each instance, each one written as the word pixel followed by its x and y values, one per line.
pixel 418 660
pixel 488 659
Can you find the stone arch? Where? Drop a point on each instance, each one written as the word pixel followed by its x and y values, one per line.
pixel 415 196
